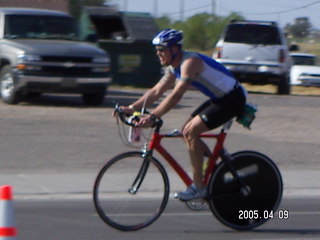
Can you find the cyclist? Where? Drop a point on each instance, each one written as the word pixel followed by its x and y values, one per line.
pixel 227 99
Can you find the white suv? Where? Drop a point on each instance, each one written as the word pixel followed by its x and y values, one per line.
pixel 256 52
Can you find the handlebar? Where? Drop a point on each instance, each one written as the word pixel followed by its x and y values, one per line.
pixel 135 117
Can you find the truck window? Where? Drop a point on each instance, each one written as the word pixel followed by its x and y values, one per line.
pixel 36 26
pixel 303 60
pixel 252 34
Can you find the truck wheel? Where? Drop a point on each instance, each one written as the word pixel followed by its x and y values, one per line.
pixel 284 86
pixel 8 90
pixel 94 99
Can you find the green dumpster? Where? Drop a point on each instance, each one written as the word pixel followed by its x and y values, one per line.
pixel 127 37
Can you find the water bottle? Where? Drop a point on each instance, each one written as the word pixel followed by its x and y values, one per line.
pixel 134 134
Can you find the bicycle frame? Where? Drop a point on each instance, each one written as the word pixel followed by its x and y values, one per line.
pixel 155 144
pixel 235 181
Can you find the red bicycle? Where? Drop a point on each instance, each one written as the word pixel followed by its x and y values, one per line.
pixel 244 188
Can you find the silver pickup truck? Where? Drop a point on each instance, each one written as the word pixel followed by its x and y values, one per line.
pixel 40 53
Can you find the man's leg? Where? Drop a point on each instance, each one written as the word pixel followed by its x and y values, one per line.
pixel 196 147
pixel 206 149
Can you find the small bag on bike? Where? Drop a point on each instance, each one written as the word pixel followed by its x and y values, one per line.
pixel 247 116
pixel 134 135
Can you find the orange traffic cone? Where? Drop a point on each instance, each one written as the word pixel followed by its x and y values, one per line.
pixel 7 220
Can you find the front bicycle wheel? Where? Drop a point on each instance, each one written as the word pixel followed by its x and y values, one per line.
pixel 245 205
pixel 130 192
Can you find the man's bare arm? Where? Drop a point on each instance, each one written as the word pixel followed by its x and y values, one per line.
pixel 153 94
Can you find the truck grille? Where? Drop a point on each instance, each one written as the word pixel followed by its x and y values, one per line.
pixel 66 59
pixel 61 66
pixel 67 72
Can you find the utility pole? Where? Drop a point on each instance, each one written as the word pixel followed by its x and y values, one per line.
pixel 155 8
pixel 181 10
pixel 125 5
pixel 214 7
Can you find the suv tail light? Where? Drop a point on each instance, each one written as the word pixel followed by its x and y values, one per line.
pixel 218 52
pixel 282 56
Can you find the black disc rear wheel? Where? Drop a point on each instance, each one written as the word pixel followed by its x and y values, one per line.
pixel 245 207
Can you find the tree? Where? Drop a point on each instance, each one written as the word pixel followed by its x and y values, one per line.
pixel 163 22
pixel 201 31
pixel 197 30
pixel 301 28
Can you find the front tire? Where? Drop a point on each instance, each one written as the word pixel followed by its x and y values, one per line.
pixel 118 205
pixel 232 204
pixel 284 86
pixel 8 88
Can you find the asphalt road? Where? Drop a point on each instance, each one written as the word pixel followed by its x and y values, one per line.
pixel 44 140
pixel 76 219
pixel 58 133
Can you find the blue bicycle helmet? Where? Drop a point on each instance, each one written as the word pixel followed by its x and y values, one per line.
pixel 168 37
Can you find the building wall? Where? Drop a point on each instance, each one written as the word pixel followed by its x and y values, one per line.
pixel 59 5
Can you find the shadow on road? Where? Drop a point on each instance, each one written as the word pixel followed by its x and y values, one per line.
pixel 67 100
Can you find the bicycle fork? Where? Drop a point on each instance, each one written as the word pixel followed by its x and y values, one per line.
pixel 147 155
pixel 225 156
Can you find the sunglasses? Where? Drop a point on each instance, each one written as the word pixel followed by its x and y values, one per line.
pixel 161 49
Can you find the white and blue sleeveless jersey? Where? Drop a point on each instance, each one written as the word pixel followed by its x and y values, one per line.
pixel 214 81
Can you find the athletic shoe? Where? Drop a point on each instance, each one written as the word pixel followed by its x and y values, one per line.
pixel 191 193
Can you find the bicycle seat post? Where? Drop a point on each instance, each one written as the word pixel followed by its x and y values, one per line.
pixel 227 126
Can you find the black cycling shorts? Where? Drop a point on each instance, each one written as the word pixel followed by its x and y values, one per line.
pixel 215 113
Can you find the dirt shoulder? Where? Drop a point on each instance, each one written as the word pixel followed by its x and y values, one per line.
pixel 272 89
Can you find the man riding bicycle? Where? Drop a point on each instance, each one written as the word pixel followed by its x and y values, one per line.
pixel 227 99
